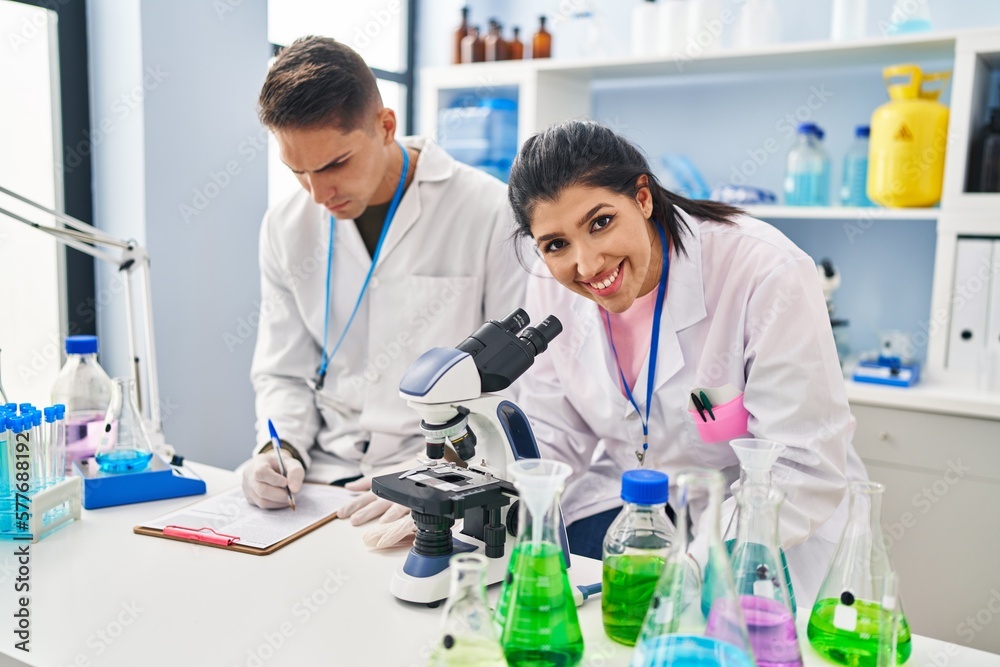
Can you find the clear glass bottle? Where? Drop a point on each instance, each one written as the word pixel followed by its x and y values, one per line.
pixel 85 389
pixel 846 620
pixel 807 179
pixel 854 185
pixel 540 624
pixel 125 445
pixel 635 550
pixel 850 19
pixel 541 41
pixel 676 630
pixel 467 636
pixel 759 576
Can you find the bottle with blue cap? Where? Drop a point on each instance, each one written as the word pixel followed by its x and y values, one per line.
pixel 85 389
pixel 854 185
pixel 807 179
pixel 635 550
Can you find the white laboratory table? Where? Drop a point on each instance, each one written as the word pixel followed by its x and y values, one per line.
pixel 101 595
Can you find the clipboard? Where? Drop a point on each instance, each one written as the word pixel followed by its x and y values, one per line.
pixel 228 521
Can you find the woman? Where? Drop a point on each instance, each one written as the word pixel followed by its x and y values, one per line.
pixel 740 316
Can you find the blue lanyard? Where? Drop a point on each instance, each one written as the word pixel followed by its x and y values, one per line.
pixel 325 361
pixel 654 345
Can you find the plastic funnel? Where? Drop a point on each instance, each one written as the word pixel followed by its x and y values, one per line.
pixel 538 482
pixel 757 457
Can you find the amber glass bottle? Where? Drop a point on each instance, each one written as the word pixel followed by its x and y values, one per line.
pixel 515 48
pixel 460 32
pixel 473 47
pixel 541 42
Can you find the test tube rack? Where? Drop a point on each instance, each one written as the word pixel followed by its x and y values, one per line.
pixel 48 510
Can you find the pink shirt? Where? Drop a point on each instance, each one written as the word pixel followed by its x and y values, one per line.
pixel 631 331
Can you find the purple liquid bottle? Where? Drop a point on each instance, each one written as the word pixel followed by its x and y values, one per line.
pixel 85 389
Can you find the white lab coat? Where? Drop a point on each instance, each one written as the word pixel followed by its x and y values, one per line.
pixel 744 307
pixel 446 266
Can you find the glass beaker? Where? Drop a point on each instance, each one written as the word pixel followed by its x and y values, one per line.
pixel 540 626
pixel 467 636
pixel 125 445
pixel 760 581
pixel 846 620
pixel 676 631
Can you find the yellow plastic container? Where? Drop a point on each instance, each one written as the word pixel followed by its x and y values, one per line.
pixel 909 138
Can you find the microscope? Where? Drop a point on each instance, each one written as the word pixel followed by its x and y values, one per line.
pixel 472 436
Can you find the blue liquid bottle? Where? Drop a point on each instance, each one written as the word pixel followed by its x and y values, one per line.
pixel 807 179
pixel 854 185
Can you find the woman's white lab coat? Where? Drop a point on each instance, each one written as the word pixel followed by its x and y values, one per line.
pixel 743 308
pixel 446 266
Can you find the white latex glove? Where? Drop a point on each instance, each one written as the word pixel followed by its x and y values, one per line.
pixel 263 483
pixel 395 526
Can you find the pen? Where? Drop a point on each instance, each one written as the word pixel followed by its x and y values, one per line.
pixel 276 443
pixel 707 404
pixel 699 407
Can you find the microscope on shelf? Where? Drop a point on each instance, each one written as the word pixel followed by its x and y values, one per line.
pixel 472 436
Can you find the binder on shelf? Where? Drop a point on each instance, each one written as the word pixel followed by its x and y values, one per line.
pixel 228 521
pixel 969 304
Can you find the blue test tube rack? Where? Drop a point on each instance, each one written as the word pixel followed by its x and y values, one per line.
pixel 159 480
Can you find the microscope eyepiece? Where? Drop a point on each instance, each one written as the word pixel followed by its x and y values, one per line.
pixel 516 321
pixel 543 334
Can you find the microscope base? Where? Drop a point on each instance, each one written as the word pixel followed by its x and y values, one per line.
pixel 434 587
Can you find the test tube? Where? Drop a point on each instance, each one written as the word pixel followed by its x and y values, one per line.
pixel 38 458
pixel 60 443
pixel 49 443
pixel 6 472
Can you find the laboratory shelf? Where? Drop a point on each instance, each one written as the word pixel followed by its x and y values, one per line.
pixel 769 212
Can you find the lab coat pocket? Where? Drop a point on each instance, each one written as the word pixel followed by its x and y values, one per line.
pixel 730 422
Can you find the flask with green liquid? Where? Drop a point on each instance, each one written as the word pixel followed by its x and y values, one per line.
pixel 537 611
pixel 848 617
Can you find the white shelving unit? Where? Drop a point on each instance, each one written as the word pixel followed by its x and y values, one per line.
pixel 550 91
pixel 909 438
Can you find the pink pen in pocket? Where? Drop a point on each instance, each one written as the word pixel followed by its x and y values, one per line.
pixel 719 413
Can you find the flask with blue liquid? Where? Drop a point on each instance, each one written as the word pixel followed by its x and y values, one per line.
pixel 807 179
pixel 854 185
pixel 125 444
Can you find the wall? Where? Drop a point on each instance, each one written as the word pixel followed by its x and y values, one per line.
pixel 182 168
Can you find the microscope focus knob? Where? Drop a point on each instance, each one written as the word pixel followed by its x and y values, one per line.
pixel 512 517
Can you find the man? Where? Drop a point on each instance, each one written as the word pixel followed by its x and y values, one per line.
pixel 444 266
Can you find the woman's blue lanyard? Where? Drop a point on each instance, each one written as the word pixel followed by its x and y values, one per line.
pixel 321 372
pixel 654 345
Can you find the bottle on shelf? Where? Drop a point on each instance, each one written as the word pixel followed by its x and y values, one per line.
pixel 473 47
pixel 494 46
pixel 541 41
pixel 909 16
pixel 645 28
pixel 759 24
pixel 673 27
pixel 849 20
pixel 854 185
pixel 807 178
pixel 460 32
pixel 515 47
pixel 85 389
pixel 635 550
pixel 705 27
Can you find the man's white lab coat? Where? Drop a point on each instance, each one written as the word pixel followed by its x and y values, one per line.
pixel 446 266
pixel 743 308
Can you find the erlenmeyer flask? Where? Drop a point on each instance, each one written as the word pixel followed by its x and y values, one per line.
pixel 676 631
pixel 845 622
pixel 125 445
pixel 467 636
pixel 757 458
pixel 540 625
pixel 760 581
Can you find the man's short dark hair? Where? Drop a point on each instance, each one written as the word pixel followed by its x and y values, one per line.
pixel 316 82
